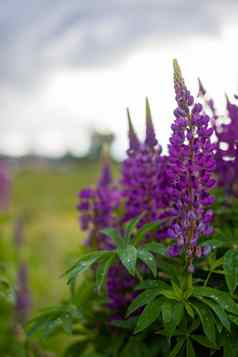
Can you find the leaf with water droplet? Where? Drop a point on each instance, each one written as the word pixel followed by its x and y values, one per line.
pixel 149 315
pixel 231 269
pixel 144 298
pixel 147 228
pixel 157 248
pixel 167 309
pixel 219 296
pixel 177 348
pixel 207 320
pixel 114 235
pixel 102 271
pixel 128 257
pixel 219 311
pixel 148 259
pixel 83 264
pixel 189 349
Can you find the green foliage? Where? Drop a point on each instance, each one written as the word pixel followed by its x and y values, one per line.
pixel 231 269
pixel 173 313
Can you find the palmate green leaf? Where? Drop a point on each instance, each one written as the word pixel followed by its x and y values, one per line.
pixel 134 347
pixel 145 298
pixel 207 321
pixel 189 349
pixel 218 324
pixel 128 257
pixel 217 263
pixel 178 292
pixel 228 350
pixel 152 284
pixel 150 314
pixel 147 228
pixel 131 226
pixel 189 309
pixel 219 311
pixel 231 269
pixel 174 271
pixel 149 260
pixel 53 318
pixel 114 234
pixel 67 323
pixel 213 243
pixel 125 324
pixel 167 311
pixel 102 271
pixel 157 248
pixel 177 348
pixel 84 263
pixel 220 297
pixel 169 293
pixel 178 313
pixel 203 340
pixel 233 319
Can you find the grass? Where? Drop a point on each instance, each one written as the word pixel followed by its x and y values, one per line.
pixel 46 198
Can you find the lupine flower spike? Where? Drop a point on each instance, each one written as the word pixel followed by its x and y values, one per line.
pixel 227 152
pixel 134 143
pixel 190 169
pixel 141 174
pixel 97 206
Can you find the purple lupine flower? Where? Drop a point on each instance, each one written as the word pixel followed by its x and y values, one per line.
pixel 23 300
pixel 142 174
pixel 226 145
pixel 97 208
pixel 4 187
pixel 209 103
pixel 227 151
pixel 120 288
pixel 134 143
pixel 190 170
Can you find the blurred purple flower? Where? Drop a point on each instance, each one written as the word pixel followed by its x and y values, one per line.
pixel 226 155
pixel 227 151
pixel 23 299
pixel 120 288
pixel 5 184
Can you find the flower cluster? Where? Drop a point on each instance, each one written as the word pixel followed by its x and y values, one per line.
pixel 143 174
pixel 190 169
pixel 227 151
pixel 120 289
pixel 97 208
pixel 226 155
pixel 175 188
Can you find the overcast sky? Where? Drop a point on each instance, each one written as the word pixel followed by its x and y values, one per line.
pixel 67 66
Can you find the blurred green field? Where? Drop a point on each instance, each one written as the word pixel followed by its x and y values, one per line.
pixel 46 198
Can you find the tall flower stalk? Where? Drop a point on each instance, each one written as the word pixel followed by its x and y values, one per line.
pixel 97 207
pixel 142 174
pixel 226 140
pixel 191 166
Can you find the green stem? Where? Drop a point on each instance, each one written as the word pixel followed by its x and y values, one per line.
pixel 189 281
pixel 208 277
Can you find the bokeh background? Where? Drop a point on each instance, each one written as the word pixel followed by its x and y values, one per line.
pixel 68 70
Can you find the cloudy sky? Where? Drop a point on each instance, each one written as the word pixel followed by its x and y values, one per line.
pixel 68 66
